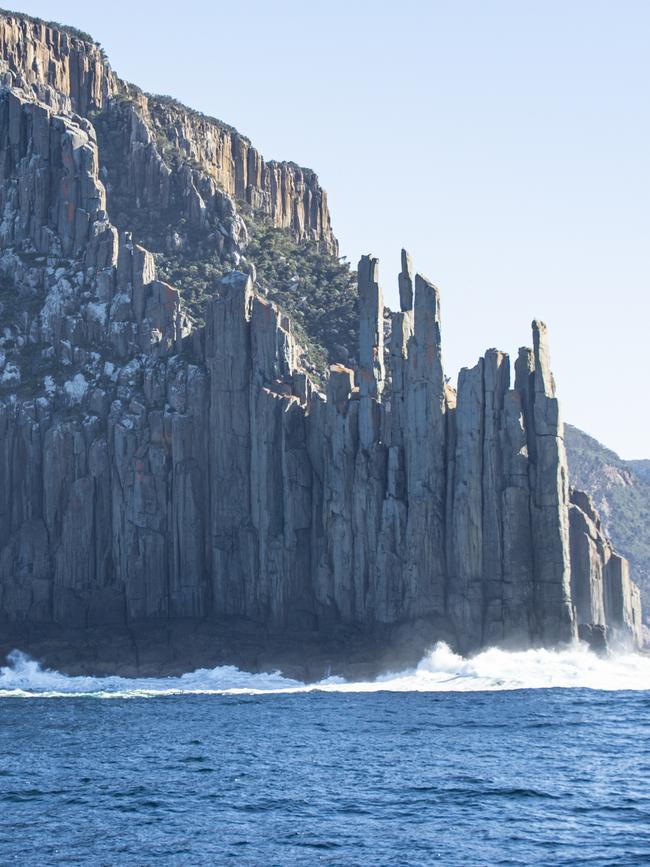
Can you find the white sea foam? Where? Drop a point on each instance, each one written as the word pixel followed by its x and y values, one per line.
pixel 441 670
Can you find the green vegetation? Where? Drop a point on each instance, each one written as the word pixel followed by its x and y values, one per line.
pixel 641 468
pixel 160 101
pixel 192 270
pixel 314 288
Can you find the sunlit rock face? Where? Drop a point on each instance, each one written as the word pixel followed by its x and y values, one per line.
pixel 154 469
pixel 68 71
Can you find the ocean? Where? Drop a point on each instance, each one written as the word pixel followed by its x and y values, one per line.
pixel 536 758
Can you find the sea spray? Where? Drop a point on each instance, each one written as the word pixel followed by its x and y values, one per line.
pixel 440 670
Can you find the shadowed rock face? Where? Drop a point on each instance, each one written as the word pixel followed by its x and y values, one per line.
pixel 152 472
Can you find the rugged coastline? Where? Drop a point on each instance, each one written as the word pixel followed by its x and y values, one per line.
pixel 178 493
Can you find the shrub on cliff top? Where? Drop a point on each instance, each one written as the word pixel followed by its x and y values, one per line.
pixel 316 289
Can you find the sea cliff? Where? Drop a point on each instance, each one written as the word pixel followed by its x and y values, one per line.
pixel 157 469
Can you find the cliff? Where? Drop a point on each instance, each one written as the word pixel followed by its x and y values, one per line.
pixel 620 490
pixel 153 469
pixel 68 71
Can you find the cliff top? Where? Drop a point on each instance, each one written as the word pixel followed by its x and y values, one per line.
pixel 167 101
pixel 81 35
pixel 164 100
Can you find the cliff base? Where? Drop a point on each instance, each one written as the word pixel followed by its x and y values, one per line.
pixel 173 648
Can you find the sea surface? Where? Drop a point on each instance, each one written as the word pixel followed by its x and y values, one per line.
pixel 508 758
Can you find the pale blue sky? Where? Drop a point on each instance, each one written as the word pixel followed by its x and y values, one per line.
pixel 505 143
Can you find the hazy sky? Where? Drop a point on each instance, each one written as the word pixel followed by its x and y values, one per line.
pixel 504 142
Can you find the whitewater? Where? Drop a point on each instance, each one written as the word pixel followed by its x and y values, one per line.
pixel 440 670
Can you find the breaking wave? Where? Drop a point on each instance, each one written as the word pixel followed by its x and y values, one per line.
pixel 440 670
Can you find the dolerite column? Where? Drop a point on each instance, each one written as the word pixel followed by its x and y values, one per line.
pixel 189 576
pixel 496 381
pixel 268 592
pixel 228 359
pixel 392 557
pixel 602 591
pixel 488 525
pixel 280 468
pixel 401 331
pixel 589 555
pixel 405 283
pixel 554 617
pixel 425 455
pixel 371 348
pixel 622 604
pixel 465 512
pixel 339 417
pixel 370 464
pixel 517 589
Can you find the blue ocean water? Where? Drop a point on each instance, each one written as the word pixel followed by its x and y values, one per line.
pixel 456 762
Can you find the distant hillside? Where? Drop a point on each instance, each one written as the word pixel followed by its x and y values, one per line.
pixel 641 468
pixel 621 491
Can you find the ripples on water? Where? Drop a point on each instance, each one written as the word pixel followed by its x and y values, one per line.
pixel 261 771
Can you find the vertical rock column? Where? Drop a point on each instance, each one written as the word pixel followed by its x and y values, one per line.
pixel 280 469
pixel 465 518
pixel 267 501
pixel 425 450
pixel 496 381
pixel 401 332
pixel 517 564
pixel 405 282
pixel 395 410
pixel 228 358
pixel 622 604
pixel 190 590
pixel 588 559
pixel 607 602
pixel 336 426
pixel 371 349
pixel 488 524
pixel 392 555
pixel 25 554
pixel 554 618
pixel 370 464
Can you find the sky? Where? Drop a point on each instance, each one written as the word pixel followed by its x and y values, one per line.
pixel 505 143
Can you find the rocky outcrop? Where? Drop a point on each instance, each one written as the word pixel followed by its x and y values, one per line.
pixel 63 67
pixel 508 515
pixel 621 494
pixel 285 192
pixel 153 471
pixel 159 153
pixel 602 591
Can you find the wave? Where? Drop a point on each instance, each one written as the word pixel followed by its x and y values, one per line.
pixel 440 670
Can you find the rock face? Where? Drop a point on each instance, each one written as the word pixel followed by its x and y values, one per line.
pixel 152 471
pixel 602 591
pixel 621 493
pixel 69 72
